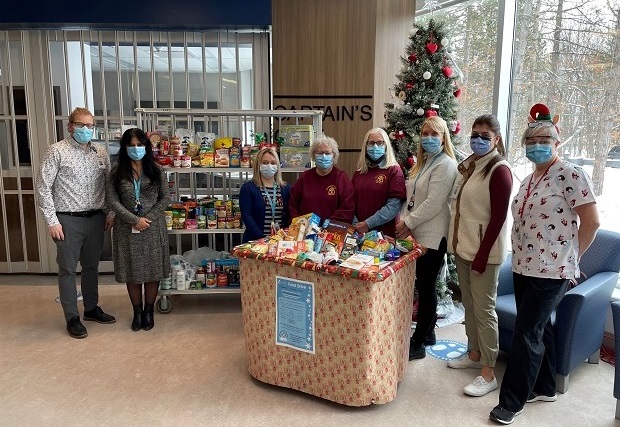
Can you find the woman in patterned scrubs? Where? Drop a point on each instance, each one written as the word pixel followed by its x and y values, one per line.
pixel 555 221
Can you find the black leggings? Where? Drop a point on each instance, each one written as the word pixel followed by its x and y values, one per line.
pixel 427 270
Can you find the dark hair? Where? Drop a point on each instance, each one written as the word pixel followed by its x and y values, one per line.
pixel 124 171
pixel 491 121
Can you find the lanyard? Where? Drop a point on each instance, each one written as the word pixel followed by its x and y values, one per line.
pixel 136 189
pixel 415 183
pixel 530 189
pixel 272 199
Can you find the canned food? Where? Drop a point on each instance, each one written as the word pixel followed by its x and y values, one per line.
pixel 222 279
pixel 165 283
pixel 211 280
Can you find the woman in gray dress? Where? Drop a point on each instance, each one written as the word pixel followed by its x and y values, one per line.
pixel 137 191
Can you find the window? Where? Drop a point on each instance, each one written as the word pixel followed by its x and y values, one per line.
pixel 472 26
pixel 566 55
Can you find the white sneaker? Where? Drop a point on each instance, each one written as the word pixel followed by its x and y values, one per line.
pixel 480 387
pixel 464 362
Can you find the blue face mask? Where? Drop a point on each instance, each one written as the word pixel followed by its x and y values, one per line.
pixel 375 152
pixel 268 171
pixel 136 152
pixel 480 146
pixel 539 153
pixel 324 161
pixel 431 144
pixel 82 135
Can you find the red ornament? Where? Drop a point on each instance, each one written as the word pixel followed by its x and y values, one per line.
pixel 457 92
pixel 399 135
pixel 447 71
pixel 413 58
pixel 409 85
pixel 458 128
pixel 410 162
pixel 430 113
pixel 431 48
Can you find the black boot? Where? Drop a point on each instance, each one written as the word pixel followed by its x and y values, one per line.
pixel 147 317
pixel 136 325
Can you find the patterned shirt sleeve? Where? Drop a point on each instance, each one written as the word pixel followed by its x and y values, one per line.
pixel 577 188
pixel 44 184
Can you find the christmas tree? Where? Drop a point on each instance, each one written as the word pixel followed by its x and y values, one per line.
pixel 427 86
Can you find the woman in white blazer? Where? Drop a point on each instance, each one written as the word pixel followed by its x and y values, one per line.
pixel 426 217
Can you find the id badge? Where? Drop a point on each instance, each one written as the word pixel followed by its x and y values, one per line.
pixel 101 164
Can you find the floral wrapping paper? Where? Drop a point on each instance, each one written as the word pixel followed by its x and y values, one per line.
pixel 362 330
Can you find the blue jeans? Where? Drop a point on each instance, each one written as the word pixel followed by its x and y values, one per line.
pixel 531 366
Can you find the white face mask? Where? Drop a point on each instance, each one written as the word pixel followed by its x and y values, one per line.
pixel 268 171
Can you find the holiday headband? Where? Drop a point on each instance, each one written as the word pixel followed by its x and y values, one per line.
pixel 540 116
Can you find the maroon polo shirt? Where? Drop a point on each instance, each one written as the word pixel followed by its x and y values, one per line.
pixel 329 196
pixel 372 191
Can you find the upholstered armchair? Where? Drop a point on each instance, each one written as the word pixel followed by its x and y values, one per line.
pixel 579 320
pixel 615 311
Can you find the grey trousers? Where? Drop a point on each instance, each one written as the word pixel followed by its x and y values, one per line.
pixel 83 242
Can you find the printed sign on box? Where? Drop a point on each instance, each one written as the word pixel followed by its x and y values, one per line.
pixel 295 314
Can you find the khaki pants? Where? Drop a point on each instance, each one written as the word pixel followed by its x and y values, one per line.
pixel 479 294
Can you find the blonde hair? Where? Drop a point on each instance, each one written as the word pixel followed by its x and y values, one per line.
pixel 325 140
pixel 541 131
pixel 79 111
pixel 258 178
pixel 390 157
pixel 440 126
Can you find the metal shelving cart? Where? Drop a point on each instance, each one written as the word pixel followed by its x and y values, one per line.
pixel 222 183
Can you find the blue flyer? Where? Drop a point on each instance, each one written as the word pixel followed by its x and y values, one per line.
pixel 295 314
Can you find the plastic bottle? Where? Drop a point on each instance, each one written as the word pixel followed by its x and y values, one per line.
pixel 180 279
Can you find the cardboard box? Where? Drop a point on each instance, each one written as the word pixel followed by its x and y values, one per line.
pixel 310 223
pixel 222 158
pixel 297 135
pixel 295 157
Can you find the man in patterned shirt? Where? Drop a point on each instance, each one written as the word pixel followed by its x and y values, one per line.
pixel 71 194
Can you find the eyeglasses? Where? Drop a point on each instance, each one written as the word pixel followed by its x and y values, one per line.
pixel 537 124
pixel 542 139
pixel 376 143
pixel 81 125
